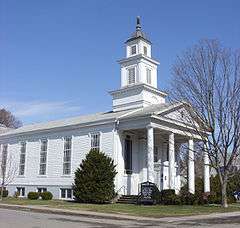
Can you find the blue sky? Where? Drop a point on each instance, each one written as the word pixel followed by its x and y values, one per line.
pixel 58 57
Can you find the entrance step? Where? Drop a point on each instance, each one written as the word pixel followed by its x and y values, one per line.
pixel 128 199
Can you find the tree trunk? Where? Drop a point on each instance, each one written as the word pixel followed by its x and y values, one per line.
pixel 1 196
pixel 224 194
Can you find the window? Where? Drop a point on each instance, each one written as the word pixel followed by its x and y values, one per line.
pixel 167 152
pixel 149 79
pixel 43 157
pixel 40 190
pixel 155 154
pixel 67 156
pixel 133 50
pixel 128 155
pixel 4 159
pixel 131 75
pixel 21 191
pixel 145 50
pixel 66 193
pixel 95 141
pixel 22 158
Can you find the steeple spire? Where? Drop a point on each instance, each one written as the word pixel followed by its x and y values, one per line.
pixel 138 33
pixel 138 26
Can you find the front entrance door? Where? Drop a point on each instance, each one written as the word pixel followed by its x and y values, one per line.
pixel 128 163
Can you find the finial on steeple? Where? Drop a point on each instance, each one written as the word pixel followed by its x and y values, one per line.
pixel 138 26
pixel 138 33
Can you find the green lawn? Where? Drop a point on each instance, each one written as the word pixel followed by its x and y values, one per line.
pixel 147 211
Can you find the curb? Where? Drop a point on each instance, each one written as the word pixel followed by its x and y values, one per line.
pixel 100 215
pixel 75 213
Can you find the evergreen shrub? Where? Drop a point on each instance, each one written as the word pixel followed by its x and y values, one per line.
pixel 33 195
pixel 169 197
pixel 94 179
pixel 4 193
pixel 46 195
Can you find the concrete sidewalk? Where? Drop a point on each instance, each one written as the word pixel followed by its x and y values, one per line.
pixel 120 216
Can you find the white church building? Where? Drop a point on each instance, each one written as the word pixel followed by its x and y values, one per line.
pixel 142 134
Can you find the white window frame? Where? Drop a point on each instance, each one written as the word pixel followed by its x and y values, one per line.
pixel 149 75
pixel 92 135
pixel 131 48
pixel 21 191
pixel 131 80
pixel 41 189
pixel 43 153
pixel 65 150
pixel 145 48
pixel 22 163
pixel 66 193
pixel 4 156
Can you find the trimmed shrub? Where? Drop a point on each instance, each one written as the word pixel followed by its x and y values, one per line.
pixel 233 185
pixel 178 200
pixel 33 195
pixel 189 198
pixel 46 195
pixel 214 198
pixel 94 179
pixel 215 195
pixel 16 194
pixel 168 197
pixel 4 193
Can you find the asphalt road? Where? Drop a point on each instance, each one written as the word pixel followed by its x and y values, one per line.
pixel 26 219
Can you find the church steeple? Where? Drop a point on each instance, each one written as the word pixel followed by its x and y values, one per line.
pixel 138 74
pixel 138 34
pixel 138 66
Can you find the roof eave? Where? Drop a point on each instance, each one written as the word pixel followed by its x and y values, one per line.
pixel 59 128
pixel 136 38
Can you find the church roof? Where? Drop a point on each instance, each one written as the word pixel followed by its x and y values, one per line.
pixel 96 118
pixel 151 110
pixel 138 33
pixel 84 119
pixel 3 128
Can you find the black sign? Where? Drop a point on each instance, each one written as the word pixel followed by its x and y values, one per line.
pixel 148 191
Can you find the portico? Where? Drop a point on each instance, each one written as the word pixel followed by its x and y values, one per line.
pixel 154 156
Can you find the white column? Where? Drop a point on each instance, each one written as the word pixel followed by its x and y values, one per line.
pixel 143 159
pixel 171 157
pixel 206 171
pixel 191 170
pixel 150 148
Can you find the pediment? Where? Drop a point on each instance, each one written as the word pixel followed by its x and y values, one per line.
pixel 179 113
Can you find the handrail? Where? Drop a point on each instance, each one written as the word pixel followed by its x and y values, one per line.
pixel 122 187
pixel 117 196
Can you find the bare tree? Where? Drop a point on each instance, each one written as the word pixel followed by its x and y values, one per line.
pixel 8 119
pixel 183 161
pixel 207 79
pixel 8 168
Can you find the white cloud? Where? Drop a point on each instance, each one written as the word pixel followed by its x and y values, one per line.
pixel 40 110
